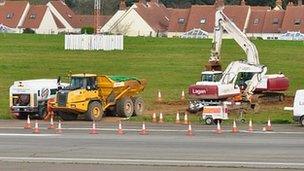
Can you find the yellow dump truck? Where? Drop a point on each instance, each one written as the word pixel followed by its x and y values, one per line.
pixel 93 95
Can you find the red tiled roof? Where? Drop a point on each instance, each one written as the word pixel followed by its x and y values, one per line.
pixel 175 16
pixel 273 21
pixel 34 16
pixel 67 13
pixel 237 14
pixel 58 22
pixel 256 21
pixel 293 14
pixel 201 16
pixel 88 20
pixel 11 13
pixel 155 14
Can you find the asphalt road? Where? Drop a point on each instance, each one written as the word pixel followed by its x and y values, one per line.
pixel 166 147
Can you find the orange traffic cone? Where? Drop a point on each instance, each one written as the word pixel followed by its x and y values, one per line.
pixel 177 119
pixel 51 125
pixel 93 129
pixel 143 131
pixel 218 128
pixel 120 130
pixel 189 132
pixel 250 128
pixel 183 96
pixel 154 119
pixel 36 129
pixel 234 128
pixel 159 96
pixel 269 127
pixel 186 119
pixel 161 118
pixel 27 124
pixel 59 128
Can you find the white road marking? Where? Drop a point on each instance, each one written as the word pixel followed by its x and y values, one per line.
pixel 253 164
pixel 29 135
pixel 166 130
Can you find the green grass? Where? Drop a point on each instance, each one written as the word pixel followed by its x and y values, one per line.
pixel 168 64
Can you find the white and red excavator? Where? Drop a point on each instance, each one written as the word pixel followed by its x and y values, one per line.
pixel 242 81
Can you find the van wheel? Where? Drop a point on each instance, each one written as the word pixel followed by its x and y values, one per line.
pixel 21 116
pixel 125 107
pixel 94 112
pixel 302 121
pixel 209 121
pixel 67 116
pixel 139 105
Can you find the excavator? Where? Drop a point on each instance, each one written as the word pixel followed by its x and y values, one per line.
pixel 241 81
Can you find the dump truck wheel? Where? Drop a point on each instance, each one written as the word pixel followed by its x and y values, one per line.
pixel 209 121
pixel 139 105
pixel 67 116
pixel 125 107
pixel 94 112
pixel 20 116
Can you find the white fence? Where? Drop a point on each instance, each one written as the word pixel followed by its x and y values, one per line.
pixel 93 42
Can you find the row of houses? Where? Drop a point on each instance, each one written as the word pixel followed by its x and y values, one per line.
pixel 152 18
pixel 52 18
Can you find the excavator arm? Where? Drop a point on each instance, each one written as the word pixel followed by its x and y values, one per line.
pixel 223 23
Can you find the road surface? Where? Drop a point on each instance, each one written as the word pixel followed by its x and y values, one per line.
pixel 166 147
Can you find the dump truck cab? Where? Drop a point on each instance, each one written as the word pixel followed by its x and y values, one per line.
pixel 92 95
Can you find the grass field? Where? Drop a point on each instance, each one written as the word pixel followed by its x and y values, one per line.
pixel 168 64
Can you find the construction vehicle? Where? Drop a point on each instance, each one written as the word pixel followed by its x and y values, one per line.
pixel 298 107
pixel 93 95
pixel 29 97
pixel 243 80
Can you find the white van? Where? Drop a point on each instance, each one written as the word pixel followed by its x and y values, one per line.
pixel 298 107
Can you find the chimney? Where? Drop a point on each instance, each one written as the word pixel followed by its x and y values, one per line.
pixel 243 3
pixel 219 3
pixel 2 2
pixel 122 5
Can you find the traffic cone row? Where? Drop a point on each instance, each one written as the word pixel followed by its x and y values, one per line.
pixel 177 119
pixel 51 125
pixel 27 124
pixel 154 119
pixel 183 96
pixel 234 128
pixel 159 96
pixel 143 131
pixel 250 127
pixel 218 128
pixel 189 131
pixel 36 128
pixel 186 119
pixel 269 126
pixel 59 128
pixel 120 131
pixel 93 129
pixel 161 119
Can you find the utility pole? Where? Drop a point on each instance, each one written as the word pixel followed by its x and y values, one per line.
pixel 97 6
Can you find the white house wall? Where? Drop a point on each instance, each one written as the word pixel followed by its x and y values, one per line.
pixel 132 24
pixel 48 24
pixel 113 20
pixel 68 27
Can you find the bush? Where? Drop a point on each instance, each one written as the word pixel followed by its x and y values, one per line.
pixel 29 31
pixel 87 30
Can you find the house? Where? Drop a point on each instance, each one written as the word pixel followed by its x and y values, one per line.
pixel 293 19
pixel 88 20
pixel 70 21
pixel 12 15
pixel 144 18
pixel 40 19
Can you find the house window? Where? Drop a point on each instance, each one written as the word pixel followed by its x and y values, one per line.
pixel 32 16
pixel 256 21
pixel 181 20
pixel 297 22
pixel 275 21
pixel 9 15
pixel 203 21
